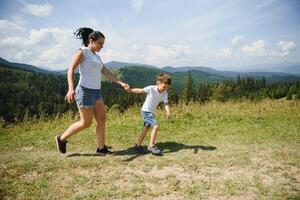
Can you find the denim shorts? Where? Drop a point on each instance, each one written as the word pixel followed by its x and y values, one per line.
pixel 149 119
pixel 86 98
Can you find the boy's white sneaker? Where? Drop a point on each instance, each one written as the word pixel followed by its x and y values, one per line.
pixel 154 150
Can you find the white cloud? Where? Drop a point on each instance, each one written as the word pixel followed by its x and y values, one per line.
pixel 54 47
pixel 225 53
pixel 8 28
pixel 161 55
pixel 257 48
pixel 117 54
pixel 43 36
pixel 19 20
pixel 11 42
pixel 280 54
pixel 137 4
pixel 237 40
pixel 40 10
pixel 49 47
pixel 285 48
pixel 176 54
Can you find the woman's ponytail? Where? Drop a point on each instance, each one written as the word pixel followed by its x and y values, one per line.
pixel 85 34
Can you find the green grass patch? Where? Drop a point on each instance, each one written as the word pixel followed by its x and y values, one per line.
pixel 232 150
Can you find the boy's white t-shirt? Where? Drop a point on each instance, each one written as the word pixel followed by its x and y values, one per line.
pixel 90 69
pixel 153 98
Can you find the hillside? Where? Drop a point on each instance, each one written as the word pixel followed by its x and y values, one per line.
pixel 118 65
pixel 30 93
pixel 291 72
pixel 26 67
pixel 201 74
pixel 138 76
pixel 142 76
pixel 242 150
pixel 27 93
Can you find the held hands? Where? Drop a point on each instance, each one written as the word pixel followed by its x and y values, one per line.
pixel 125 86
pixel 70 96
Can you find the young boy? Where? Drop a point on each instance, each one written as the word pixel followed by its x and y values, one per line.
pixel 155 94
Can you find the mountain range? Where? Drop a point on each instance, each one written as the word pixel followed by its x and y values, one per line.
pixel 26 67
pixel 290 70
pixel 137 73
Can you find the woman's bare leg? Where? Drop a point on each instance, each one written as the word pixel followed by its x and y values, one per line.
pixel 86 117
pixel 99 114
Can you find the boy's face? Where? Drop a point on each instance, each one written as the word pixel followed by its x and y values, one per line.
pixel 161 87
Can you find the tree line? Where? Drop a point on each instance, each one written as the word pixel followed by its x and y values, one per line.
pixel 30 94
pixel 240 88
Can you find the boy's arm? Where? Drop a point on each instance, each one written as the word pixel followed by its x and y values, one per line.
pixel 136 90
pixel 167 108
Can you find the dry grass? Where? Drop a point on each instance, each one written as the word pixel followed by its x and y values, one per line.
pixel 233 150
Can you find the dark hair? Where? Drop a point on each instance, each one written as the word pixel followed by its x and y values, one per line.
pixel 163 78
pixel 85 34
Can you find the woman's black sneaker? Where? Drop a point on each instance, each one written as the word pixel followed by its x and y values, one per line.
pixel 104 151
pixel 61 145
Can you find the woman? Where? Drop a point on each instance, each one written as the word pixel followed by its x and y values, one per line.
pixel 88 94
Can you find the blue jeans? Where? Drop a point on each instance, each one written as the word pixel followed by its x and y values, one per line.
pixel 86 98
pixel 149 119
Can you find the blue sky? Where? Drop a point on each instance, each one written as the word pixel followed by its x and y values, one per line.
pixel 227 35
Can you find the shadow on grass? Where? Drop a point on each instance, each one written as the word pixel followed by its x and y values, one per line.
pixel 87 154
pixel 165 147
pixel 171 147
pixel 84 154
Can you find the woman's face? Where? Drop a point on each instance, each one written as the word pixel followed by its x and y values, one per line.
pixel 98 44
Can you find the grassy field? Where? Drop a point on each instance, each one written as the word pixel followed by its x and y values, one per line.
pixel 234 150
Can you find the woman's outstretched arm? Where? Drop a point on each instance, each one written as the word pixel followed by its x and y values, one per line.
pixel 113 78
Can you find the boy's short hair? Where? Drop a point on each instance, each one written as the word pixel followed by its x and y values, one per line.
pixel 163 78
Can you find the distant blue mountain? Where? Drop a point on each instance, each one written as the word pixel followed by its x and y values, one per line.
pixel 26 67
pixel 117 64
pixel 232 73
pixel 113 65
pixel 212 73
pixel 201 68
pixel 290 70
